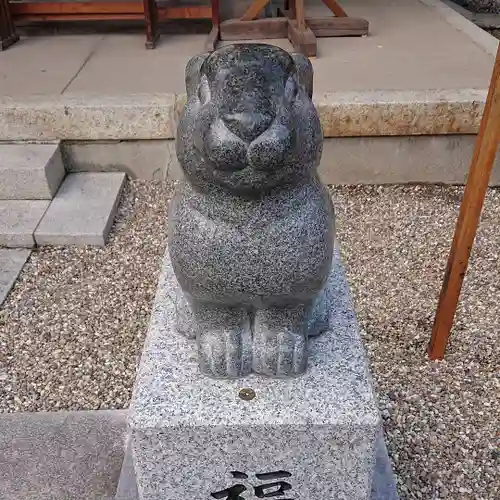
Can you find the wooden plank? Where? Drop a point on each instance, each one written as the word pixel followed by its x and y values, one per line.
pixel 303 41
pixel 52 8
pixel 212 39
pixel 113 10
pixel 253 10
pixel 470 213
pixel 198 12
pixel 79 17
pixel 234 29
pixel 300 15
pixel 337 26
pixel 335 8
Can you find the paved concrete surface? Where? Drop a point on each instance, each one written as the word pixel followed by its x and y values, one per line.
pixel 44 65
pixel 82 211
pixel 410 46
pixel 12 261
pixel 61 456
pixel 30 171
pixel 18 221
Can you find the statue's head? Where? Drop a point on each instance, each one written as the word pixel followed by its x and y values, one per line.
pixel 249 123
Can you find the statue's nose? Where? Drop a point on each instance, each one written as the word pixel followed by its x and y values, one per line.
pixel 248 124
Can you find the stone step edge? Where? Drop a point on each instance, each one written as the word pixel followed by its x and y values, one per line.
pixel 154 116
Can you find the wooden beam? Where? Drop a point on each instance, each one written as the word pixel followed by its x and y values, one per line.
pixel 253 10
pixel 234 29
pixel 109 10
pixel 79 17
pixel 304 40
pixel 198 12
pixel 337 26
pixel 215 7
pixel 55 8
pixel 468 219
pixel 151 18
pixel 300 15
pixel 335 8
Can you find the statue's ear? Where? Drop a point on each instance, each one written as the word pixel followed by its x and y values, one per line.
pixel 193 73
pixel 304 72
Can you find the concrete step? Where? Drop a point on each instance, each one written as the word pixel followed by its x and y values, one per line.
pixel 82 211
pixel 12 261
pixel 30 171
pixel 18 221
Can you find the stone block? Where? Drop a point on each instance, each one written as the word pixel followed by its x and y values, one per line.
pixel 61 455
pixel 142 159
pixel 18 221
pixel 30 171
pixel 432 159
pixel 87 117
pixel 383 479
pixel 83 210
pixel 12 261
pixel 188 432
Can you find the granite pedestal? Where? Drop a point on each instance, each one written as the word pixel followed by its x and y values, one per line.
pixel 314 436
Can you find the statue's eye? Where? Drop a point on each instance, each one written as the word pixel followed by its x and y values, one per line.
pixel 291 88
pixel 204 90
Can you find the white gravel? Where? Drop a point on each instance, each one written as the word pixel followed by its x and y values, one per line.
pixel 442 419
pixel 72 329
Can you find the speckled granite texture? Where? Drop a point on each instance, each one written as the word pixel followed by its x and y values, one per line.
pixel 251 226
pixel 189 432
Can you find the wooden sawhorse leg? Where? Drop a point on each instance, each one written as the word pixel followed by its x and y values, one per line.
pixel 8 34
pixel 151 17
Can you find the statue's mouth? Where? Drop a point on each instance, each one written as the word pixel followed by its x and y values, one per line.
pixel 229 153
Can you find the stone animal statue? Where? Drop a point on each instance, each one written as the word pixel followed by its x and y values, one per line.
pixel 251 227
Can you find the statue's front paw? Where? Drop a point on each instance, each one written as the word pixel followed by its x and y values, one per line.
pixel 224 348
pixel 279 347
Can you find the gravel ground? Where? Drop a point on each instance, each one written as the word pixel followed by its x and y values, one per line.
pixel 73 327
pixel 442 419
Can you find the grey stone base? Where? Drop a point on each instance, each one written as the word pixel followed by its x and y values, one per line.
pixel 346 160
pixel 188 432
pixel 383 480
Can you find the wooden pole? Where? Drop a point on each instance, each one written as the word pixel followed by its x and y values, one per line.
pixel 468 219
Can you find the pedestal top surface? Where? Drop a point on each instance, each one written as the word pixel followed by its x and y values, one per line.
pixel 336 389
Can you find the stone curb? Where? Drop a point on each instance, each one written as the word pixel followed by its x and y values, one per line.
pixel 154 116
pixel 48 118
pixel 390 113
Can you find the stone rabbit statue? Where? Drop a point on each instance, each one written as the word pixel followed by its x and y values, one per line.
pixel 251 227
